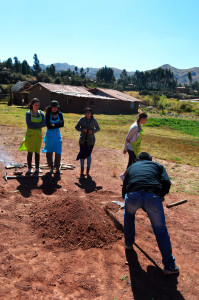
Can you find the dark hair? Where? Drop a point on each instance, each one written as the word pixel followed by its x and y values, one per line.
pixel 88 109
pixel 33 101
pixel 144 156
pixel 140 116
pixel 53 103
pixel 48 109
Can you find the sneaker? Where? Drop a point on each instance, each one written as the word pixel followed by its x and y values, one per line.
pixel 122 177
pixel 171 270
pixel 38 170
pixel 30 171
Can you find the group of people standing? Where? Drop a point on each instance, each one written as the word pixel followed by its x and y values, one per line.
pixel 145 183
pixel 53 119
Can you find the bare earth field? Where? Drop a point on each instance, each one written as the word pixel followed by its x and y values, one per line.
pixel 58 242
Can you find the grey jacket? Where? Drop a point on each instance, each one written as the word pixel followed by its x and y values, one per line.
pixel 89 124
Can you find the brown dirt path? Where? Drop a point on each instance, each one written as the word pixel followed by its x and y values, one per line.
pixel 57 242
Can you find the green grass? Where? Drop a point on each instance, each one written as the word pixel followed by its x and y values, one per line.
pixel 170 139
pixel 190 127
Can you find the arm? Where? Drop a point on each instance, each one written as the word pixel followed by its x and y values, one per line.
pixel 79 125
pixel 165 181
pixel 32 125
pixel 61 124
pixel 49 125
pixel 97 128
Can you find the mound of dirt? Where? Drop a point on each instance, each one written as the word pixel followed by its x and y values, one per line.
pixel 73 222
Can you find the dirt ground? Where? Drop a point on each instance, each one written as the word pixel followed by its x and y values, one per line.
pixel 61 237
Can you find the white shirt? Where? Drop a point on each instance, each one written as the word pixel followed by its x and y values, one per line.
pixel 132 135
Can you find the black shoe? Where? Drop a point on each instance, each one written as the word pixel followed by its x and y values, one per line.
pixel 171 270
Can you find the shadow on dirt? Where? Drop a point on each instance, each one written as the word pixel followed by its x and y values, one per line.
pixel 48 187
pixel 50 183
pixel 151 284
pixel 27 185
pixel 88 184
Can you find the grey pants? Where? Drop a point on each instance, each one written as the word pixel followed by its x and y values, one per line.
pixel 49 157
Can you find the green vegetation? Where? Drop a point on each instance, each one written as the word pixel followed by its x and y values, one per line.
pixel 185 126
pixel 176 141
pixel 156 103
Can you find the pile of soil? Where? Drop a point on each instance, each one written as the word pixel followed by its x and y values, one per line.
pixel 72 222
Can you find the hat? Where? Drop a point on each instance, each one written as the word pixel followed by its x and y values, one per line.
pixel 54 103
pixel 144 156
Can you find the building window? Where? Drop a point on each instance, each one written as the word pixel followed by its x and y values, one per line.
pixel 132 105
pixel 68 101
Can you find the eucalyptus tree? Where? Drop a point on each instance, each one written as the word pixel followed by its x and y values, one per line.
pixel 36 64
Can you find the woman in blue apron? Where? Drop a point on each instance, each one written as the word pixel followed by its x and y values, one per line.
pixel 53 140
pixel 33 137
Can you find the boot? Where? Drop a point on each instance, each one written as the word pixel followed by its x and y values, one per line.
pixel 82 172
pixel 87 172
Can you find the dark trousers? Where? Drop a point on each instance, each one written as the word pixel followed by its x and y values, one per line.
pixel 49 157
pixel 29 159
pixel 132 158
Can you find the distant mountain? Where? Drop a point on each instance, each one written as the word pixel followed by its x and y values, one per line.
pixel 179 74
pixel 91 74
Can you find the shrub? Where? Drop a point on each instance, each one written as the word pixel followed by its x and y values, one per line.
pixel 185 106
pixel 148 101
pixel 144 93
pixel 156 99
pixel 197 112
pixel 57 80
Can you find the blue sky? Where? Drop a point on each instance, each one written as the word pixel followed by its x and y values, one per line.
pixel 126 34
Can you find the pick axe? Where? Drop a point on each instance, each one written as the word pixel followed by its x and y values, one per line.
pixel 6 177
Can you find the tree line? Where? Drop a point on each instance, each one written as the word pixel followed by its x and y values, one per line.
pixel 12 70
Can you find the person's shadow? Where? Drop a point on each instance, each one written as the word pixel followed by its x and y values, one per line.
pixel 27 184
pixel 88 184
pixel 50 183
pixel 151 284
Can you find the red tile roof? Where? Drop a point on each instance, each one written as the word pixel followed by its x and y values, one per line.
pixel 118 95
pixel 58 88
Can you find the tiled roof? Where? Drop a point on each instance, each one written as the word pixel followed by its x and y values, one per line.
pixel 86 95
pixel 60 88
pixel 118 95
pixel 69 90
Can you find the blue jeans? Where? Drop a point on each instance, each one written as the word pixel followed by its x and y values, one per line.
pixel 154 208
pixel 88 162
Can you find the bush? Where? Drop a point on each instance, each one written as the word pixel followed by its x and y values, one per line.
pixel 156 99
pixel 43 77
pixel 185 106
pixel 197 112
pixel 148 101
pixel 144 93
pixel 57 80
